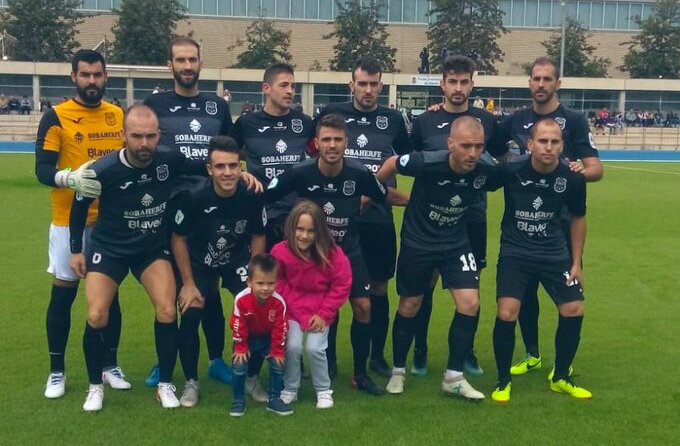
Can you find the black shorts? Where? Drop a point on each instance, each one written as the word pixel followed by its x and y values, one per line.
pixel 514 274
pixel 117 268
pixel 477 236
pixel 274 231
pixel 379 248
pixel 234 278
pixel 458 269
pixel 361 285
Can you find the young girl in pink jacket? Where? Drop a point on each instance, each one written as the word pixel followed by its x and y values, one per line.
pixel 314 279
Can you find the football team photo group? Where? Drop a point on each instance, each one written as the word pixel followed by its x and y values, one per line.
pixel 258 231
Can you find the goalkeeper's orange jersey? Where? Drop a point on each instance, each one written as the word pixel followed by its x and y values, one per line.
pixel 78 134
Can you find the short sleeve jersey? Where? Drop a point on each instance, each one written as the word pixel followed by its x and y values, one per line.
pixel 578 140
pixel 531 227
pixel 218 229
pixel 339 197
pixel 133 201
pixel 440 198
pixel 78 134
pixel 272 145
pixel 372 138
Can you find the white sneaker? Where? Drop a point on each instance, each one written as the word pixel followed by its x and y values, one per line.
pixel 324 399
pixel 255 390
pixel 166 395
pixel 95 398
pixel 189 396
pixel 461 388
pixel 56 385
pixel 116 379
pixel 396 383
pixel 288 396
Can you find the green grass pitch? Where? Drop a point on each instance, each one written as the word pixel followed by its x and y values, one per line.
pixel 628 355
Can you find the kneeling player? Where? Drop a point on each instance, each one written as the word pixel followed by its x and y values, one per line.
pixel 216 228
pixel 537 189
pixel 434 236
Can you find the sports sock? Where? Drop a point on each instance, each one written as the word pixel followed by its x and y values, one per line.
pixel 402 336
pixel 461 335
pixel 567 338
pixel 58 323
pixel 422 322
pixel 166 348
pixel 112 334
pixel 93 348
pixel 528 319
pixel 503 347
pixel 332 340
pixel 213 325
pixel 189 345
pixel 360 336
pixel 475 325
pixel 380 322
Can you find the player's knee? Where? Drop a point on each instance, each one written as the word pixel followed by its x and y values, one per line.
pixel 166 313
pixel 98 317
pixel 409 307
pixel 361 309
pixel 507 314
pixel 468 306
pixel 571 309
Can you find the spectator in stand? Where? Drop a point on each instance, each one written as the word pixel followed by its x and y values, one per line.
pixel 45 105
pixel 631 118
pixel 658 119
pixel 479 103
pixel 490 106
pixel 226 95
pixel 25 106
pixel 4 104
pixel 245 109
pixel 424 61
pixel 13 104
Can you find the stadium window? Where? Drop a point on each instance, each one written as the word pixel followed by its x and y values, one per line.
pixel 544 13
pixel 622 16
pixel 409 9
pixel 268 8
pixel 326 9
pixel 224 7
pixel 531 14
pixel 609 16
pixel 571 10
pixel 312 9
pixel 556 14
pixel 395 10
pixel 116 4
pixel 195 6
pixel 422 8
pixel 584 14
pixel 89 4
pixel 253 9
pixel 104 5
pixel 635 11
pixel 506 8
pixel 297 9
pixel 210 7
pixel 239 8
pixel 283 9
pixel 596 15
pixel 517 13
pixel 382 11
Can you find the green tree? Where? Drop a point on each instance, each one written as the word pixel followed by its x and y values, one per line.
pixel 45 29
pixel 266 45
pixel 464 26
pixel 655 51
pixel 359 33
pixel 579 60
pixel 143 31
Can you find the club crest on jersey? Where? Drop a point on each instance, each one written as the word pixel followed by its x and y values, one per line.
pixel 328 208
pixel 381 122
pixel 455 200
pixel 560 185
pixel 561 121
pixel 403 160
pixel 296 125
pixel 349 187
pixel 110 118
pixel 362 141
pixel 281 146
pixel 211 107
pixel 479 182
pixel 179 217
pixel 240 226
pixel 162 172
pixel 271 315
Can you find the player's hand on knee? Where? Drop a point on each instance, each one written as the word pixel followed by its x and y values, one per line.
pixel 77 263
pixel 252 183
pixel 240 358
pixel 189 296
pixel 278 360
pixel 82 180
pixel 575 276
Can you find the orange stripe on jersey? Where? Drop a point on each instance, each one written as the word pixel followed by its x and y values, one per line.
pixel 79 134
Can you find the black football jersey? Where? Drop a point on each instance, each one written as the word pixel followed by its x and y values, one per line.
pixel 531 227
pixel 339 197
pixel 218 229
pixel 436 212
pixel 132 203
pixel 271 146
pixel 372 138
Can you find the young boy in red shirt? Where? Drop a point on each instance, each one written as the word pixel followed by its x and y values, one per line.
pixel 259 327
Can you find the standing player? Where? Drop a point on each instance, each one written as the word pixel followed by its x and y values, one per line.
pixel 431 132
pixel 374 134
pixel 70 135
pixel 275 139
pixel 434 237
pixel 216 230
pixel 188 121
pixel 544 83
pixel 533 248
pixel 337 184
pixel 130 235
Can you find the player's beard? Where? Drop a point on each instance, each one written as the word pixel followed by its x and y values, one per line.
pixel 453 100
pixel 91 94
pixel 184 84
pixel 545 99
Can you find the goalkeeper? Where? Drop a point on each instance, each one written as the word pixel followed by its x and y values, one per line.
pixel 70 137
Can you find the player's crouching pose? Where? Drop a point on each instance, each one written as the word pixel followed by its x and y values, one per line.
pixel 533 247
pixel 434 236
pixel 259 330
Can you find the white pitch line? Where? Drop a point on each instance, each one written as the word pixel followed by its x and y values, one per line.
pixel 643 170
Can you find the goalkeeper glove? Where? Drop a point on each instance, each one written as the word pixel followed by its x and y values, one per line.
pixel 82 180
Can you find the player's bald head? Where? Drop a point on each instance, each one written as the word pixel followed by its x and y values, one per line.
pixel 139 112
pixel 466 123
pixel 545 123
